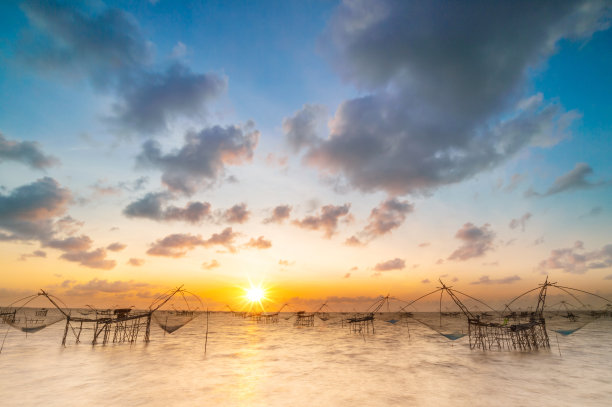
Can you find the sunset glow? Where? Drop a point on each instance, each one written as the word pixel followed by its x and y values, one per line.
pixel 149 145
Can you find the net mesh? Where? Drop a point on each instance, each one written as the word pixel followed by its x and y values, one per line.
pixel 177 311
pixel 30 314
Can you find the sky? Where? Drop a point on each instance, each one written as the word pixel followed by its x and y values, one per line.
pixel 323 150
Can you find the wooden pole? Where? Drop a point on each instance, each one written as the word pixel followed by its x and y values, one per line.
pixel 206 341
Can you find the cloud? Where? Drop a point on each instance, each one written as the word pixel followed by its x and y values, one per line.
pixel 304 127
pixel 347 275
pixel 440 96
pixel 135 262
pixel 387 216
pixel 27 213
pixel 595 211
pixel 394 264
pixel 286 263
pixel 354 241
pixel 179 50
pixel 25 152
pixel 520 222
pixel 178 244
pixel 151 206
pixel 116 247
pixel 210 265
pixel 425 281
pixel 34 254
pixel 201 161
pixel 279 214
pixel 105 46
pixel 326 221
pixel 505 280
pixel 156 98
pixel 576 260
pixel 424 244
pixel 259 243
pixel 95 259
pixel 96 286
pixel 476 241
pixel 70 244
pixel 237 214
pixel 573 180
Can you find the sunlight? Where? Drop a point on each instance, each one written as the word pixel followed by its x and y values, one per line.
pixel 255 294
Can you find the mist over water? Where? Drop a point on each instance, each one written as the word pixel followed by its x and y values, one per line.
pixel 250 364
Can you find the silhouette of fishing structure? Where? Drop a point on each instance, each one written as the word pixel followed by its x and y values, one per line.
pixel 364 323
pixel 306 319
pixel 241 314
pixel 512 329
pixel 118 325
pixel 483 330
pixel 566 316
pixel 267 317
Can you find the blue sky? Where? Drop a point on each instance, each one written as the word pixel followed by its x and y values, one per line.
pixel 325 147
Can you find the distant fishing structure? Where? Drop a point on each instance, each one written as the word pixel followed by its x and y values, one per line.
pixel 364 323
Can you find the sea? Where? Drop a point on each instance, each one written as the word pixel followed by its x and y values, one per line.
pixel 244 363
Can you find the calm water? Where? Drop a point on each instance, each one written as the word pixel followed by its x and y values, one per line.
pixel 280 365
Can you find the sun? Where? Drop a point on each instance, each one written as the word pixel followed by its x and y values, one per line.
pixel 255 294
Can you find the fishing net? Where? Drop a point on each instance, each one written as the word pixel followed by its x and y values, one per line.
pixel 174 311
pixel 450 319
pixel 30 314
pixel 566 309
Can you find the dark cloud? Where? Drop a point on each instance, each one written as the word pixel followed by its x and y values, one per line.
pixel 105 46
pixel 152 206
pixel 116 247
pixel 178 244
pixel 210 265
pixel 305 127
pixel 201 161
pixel 387 216
pixel 237 214
pixel 394 264
pixel 156 99
pixel 441 85
pixel 93 259
pixel 505 280
pixel 576 260
pixel 326 221
pixel 573 180
pixel 25 152
pixel 279 214
pixel 259 243
pixel 520 222
pixel 135 262
pixel 476 241
pixel 27 213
